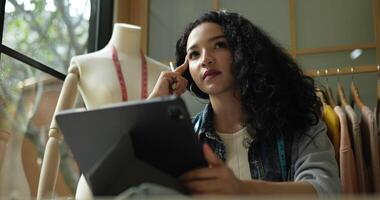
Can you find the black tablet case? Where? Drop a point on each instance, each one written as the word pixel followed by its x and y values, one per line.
pixel 131 143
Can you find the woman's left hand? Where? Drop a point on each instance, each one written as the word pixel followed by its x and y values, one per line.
pixel 218 178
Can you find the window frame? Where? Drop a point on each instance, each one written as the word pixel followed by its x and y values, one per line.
pixel 100 31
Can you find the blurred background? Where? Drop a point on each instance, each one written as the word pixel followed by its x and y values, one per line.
pixel 39 37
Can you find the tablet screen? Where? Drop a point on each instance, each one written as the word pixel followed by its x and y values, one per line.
pixel 130 143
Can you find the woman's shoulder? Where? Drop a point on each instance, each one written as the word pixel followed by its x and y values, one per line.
pixel 313 160
pixel 313 131
pixel 313 138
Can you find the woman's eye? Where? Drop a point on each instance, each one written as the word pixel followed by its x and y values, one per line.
pixel 193 54
pixel 220 45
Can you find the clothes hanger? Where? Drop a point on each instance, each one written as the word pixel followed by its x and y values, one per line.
pixel 319 92
pixel 321 96
pixel 378 92
pixel 355 92
pixel 322 91
pixel 329 95
pixel 378 83
pixel 341 96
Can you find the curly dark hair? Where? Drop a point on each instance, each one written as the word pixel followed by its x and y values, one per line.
pixel 275 94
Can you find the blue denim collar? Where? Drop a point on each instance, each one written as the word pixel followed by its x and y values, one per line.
pixel 206 127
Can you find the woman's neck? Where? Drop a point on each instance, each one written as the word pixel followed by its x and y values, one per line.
pixel 228 115
pixel 126 38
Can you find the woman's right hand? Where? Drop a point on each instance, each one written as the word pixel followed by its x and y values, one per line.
pixel 171 82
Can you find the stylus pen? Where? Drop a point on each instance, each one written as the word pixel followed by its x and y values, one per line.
pixel 171 66
pixel 174 85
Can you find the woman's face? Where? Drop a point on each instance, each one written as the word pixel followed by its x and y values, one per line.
pixel 210 59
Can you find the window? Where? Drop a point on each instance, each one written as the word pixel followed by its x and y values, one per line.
pixel 39 38
pixel 48 31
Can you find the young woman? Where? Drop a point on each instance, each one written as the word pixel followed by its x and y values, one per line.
pixel 262 130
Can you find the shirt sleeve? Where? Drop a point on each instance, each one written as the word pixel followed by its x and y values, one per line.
pixel 316 162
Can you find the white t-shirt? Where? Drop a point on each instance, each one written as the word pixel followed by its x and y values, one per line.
pixel 237 146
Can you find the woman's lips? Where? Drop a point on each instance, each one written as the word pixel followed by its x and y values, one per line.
pixel 209 74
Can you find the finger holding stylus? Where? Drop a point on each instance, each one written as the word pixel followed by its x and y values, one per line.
pixel 171 82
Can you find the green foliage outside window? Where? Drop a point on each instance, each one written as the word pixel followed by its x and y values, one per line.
pixel 51 32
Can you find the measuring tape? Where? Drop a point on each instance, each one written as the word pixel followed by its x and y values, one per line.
pixel 120 76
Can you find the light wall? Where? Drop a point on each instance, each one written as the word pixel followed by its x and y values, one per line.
pixel 319 34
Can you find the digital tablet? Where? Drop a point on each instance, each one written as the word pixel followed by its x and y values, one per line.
pixel 126 144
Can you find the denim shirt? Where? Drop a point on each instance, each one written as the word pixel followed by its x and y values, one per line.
pixel 310 158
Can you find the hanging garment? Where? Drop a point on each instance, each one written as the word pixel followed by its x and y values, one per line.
pixel 332 121
pixel 348 174
pixel 356 140
pixel 376 152
pixel 370 148
pixel 377 126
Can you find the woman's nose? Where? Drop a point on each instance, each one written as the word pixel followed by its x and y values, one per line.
pixel 206 59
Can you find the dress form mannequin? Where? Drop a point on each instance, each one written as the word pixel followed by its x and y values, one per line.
pixel 13 181
pixel 4 138
pixel 4 134
pixel 96 78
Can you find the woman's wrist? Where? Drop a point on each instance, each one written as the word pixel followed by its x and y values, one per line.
pixel 248 187
pixel 155 94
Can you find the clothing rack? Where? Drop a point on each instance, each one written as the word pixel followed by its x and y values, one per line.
pixel 337 71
